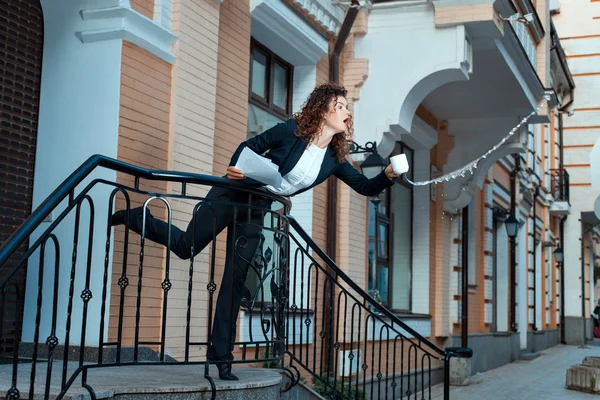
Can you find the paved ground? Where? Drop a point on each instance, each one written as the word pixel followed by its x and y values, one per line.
pixel 540 379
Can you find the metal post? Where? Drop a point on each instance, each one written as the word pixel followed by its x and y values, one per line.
pixel 562 283
pixel 583 232
pixel 513 247
pixel 447 378
pixel 465 277
pixel 591 270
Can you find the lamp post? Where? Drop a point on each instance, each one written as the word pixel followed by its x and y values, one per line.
pixel 558 255
pixel 372 165
pixel 512 227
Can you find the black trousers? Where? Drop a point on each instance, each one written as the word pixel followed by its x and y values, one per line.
pixel 243 238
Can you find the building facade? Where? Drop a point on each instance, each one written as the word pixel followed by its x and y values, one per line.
pixel 178 84
pixel 576 23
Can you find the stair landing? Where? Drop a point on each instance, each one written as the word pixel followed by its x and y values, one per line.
pixel 170 382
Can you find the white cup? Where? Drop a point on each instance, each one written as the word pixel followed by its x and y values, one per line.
pixel 399 164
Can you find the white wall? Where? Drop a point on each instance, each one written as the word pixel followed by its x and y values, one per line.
pixel 79 117
pixel 502 282
pixel 576 21
pixel 572 253
pixel 420 264
pixel 402 70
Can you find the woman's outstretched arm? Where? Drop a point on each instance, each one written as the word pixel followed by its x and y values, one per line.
pixel 360 183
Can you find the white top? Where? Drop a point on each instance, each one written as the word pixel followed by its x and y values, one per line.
pixel 303 174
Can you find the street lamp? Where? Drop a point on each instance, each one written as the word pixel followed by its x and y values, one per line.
pixel 512 226
pixel 559 255
pixel 373 164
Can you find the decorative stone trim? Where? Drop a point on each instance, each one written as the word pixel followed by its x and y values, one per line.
pixel 121 22
pixel 329 16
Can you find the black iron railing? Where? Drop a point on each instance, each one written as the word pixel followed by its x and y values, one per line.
pixel 69 285
pixel 352 346
pixel 560 185
pixel 89 286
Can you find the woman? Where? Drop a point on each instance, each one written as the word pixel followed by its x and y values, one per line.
pixel 307 148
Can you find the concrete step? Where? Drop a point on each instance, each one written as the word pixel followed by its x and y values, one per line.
pixel 527 356
pixel 152 382
pixel 583 378
pixel 299 392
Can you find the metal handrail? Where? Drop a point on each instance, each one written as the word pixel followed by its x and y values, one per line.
pixel 67 187
pixel 362 293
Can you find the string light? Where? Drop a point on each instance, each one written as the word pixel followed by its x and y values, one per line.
pixel 469 168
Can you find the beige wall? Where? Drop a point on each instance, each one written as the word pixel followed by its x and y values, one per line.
pixel 144 7
pixel 192 127
pixel 143 141
pixel 231 117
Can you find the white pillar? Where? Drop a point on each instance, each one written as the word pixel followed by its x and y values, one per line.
pixel 420 264
pixel 572 265
pixel 522 287
pixel 502 268
pixel 79 117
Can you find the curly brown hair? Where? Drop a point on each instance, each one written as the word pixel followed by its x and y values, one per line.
pixel 310 117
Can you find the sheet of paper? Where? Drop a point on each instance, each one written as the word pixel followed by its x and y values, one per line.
pixel 259 168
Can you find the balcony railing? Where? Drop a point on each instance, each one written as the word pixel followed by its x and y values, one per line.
pixel 560 185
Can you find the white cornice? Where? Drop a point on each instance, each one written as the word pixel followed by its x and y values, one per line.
pixel 326 14
pixel 121 22
pixel 294 32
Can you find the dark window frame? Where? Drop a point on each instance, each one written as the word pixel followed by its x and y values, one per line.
pixel 267 103
pixel 388 219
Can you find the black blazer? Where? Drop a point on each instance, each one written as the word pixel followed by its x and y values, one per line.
pixel 284 148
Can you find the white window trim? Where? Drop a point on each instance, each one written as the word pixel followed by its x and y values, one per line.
pixel 122 22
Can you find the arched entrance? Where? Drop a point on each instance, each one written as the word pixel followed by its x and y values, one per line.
pixel 21 44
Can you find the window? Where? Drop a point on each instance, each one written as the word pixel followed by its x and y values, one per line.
pixel 269 102
pixel 270 91
pixel 390 242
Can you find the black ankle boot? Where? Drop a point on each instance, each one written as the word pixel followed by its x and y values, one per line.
pixel 118 218
pixel 135 217
pixel 225 373
pixel 223 367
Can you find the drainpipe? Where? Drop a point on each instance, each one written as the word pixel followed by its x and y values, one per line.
pixel 535 195
pixel 591 270
pixel 562 281
pixel 562 221
pixel 334 77
pixel 583 231
pixel 465 278
pixel 513 245
pixel 561 153
pixel 332 192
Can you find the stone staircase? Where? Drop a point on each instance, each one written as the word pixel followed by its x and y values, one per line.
pixel 153 382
